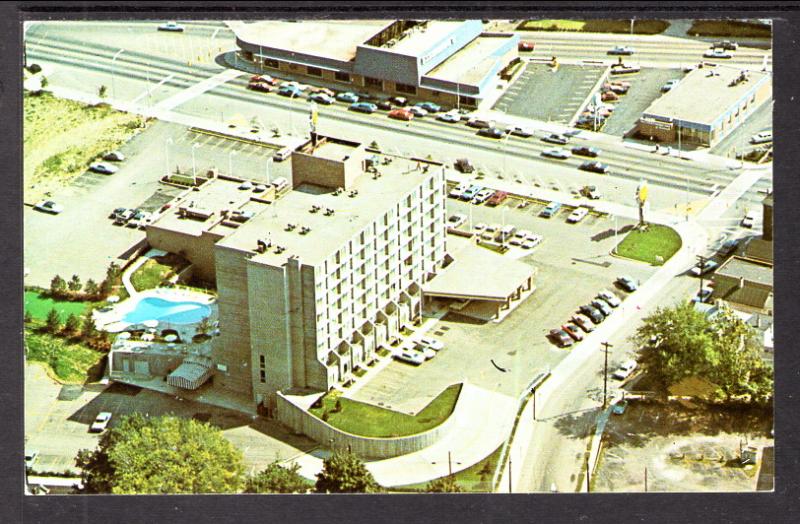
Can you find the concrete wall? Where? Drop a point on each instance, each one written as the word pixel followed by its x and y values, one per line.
pixel 308 168
pixel 199 250
pixel 307 424
pixel 159 365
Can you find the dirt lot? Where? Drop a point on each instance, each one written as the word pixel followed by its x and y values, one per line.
pixel 682 449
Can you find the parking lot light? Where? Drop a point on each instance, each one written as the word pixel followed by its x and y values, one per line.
pixel 168 142
pixel 194 166
pixel 230 162
pixel 113 71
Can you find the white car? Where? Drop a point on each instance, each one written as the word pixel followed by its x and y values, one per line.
pixel 412 357
pixel 577 215
pixel 425 351
pixel 450 117
pixel 669 85
pixel 519 237
pixel 171 26
pixel 749 219
pixel 101 422
pixel 557 152
pixel 432 343
pixel 103 168
pixel 522 131
pixel 48 206
pixel 625 370
pixel 483 195
pixel 456 220
pixel 494 228
pixel 717 53
pixel 418 111
pixel 296 85
pixel 761 138
pixel 457 191
pixel 532 241
pixel 610 298
pixel 479 227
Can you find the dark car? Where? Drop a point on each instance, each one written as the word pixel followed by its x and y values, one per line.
pixel 602 306
pixel 491 132
pixel 384 105
pixel 260 86
pixel 594 167
pixel 627 283
pixel 430 107
pixel 573 331
pixel 621 50
pixel 729 247
pixel 585 151
pixel 727 45
pixel 592 313
pixel 464 165
pixel 560 337
pixel 555 138
pixel 117 211
pixel 525 45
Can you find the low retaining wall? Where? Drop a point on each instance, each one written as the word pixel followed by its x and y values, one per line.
pixel 301 421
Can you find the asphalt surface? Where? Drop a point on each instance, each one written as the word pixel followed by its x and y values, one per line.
pixel 645 88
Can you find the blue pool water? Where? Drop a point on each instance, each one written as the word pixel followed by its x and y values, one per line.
pixel 173 311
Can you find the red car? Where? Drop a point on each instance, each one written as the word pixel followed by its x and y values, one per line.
pixel 525 46
pixel 401 114
pixel 264 79
pixel 573 331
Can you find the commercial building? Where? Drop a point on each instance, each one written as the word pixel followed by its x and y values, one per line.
pixel 706 106
pixel 448 62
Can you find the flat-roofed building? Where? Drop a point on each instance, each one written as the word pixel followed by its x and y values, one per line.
pixel 448 62
pixel 706 105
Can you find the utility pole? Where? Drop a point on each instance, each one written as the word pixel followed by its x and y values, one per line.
pixel 588 476
pixel 509 471
pixel 533 392
pixel 449 464
pixel 605 345
pixel 702 260
pixel 645 479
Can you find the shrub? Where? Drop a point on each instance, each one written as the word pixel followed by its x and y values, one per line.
pixel 53 323
pixel 34 68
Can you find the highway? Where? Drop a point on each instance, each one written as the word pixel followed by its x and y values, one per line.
pixel 153 78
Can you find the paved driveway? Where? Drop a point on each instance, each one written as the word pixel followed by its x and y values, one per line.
pixel 645 88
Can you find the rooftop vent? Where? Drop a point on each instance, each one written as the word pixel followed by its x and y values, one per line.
pixel 314 209
pixel 263 246
pixel 328 212
pixel 353 193
pixel 338 191
pixel 279 249
pixel 290 227
pixel 304 230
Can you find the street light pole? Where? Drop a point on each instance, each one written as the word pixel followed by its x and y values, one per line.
pixel 230 163
pixel 605 345
pixel 449 464
pixel 194 166
pixel 167 144
pixel 269 161
pixel 113 71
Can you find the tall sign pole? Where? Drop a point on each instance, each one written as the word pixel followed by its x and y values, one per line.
pixel 641 199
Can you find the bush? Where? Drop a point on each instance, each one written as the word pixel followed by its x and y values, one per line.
pixel 34 68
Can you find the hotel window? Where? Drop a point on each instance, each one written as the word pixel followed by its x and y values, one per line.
pixel 269 62
pixel 373 82
pixel 313 71
pixel 341 77
pixel 405 88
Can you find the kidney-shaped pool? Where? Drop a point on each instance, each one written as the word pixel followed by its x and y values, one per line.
pixel 165 310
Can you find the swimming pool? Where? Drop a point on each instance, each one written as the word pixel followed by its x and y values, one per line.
pixel 165 310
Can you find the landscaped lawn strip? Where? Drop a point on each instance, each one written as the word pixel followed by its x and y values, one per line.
pixel 645 246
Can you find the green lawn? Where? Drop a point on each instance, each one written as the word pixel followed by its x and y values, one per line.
pixel 646 245
pixel 476 478
pixel 70 362
pixel 640 27
pixel 150 275
pixel 39 306
pixel 367 420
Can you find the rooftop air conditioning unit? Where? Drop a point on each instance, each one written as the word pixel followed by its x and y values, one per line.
pixel 279 249
pixel 262 246
pixel 290 227
pixel 304 230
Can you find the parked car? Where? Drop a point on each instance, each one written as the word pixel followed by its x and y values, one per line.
pixel 117 211
pixel 491 132
pixel 498 198
pixel 458 190
pixel 622 50
pixel 556 152
pixel 627 283
pixel 573 331
pixel 298 85
pixel 556 138
pixel 103 168
pixel 577 215
pixel 384 105
pixel 260 86
pixel 412 357
pixel 729 247
pixel 425 351
pixel 521 131
pixel 624 70
pixel 618 87
pixel 30 457
pixel 519 237
pixel 100 422
pixel 609 298
pixel 749 219
pixel 347 96
pixel 525 46
pixel 761 138
pixel 593 313
pixel 602 306
pixel 619 407
pixel 560 337
pixel 583 322
pixel 506 232
pixel 264 79
pixel 398 100
pixel 138 219
pixel 321 98
pixel 48 206
pixel 173 27
pixel 430 342
pixel 122 218
pixel 669 85
pixel 550 210
pixel 594 166
pixel 625 370
pixel 290 91
pixel 401 114
pixel 464 165
pixel 418 111
pixel 322 91
pixel 480 123
pixel 717 53
pixel 430 107
pixel 114 156
pixel 479 227
pixel 470 193
pixel 590 192
pixel 726 45
pixel 532 241
pixel 703 295
pixel 706 267
pixel 586 151
pixel 483 195
pixel 609 96
pixel 363 107
pixel 450 118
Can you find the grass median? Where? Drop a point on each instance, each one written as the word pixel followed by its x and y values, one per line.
pixel 654 245
pixel 640 27
pixel 734 28
pixel 367 420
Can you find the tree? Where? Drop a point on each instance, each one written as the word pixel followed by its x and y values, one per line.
pixel 446 484
pixel 681 342
pixel 105 288
pixel 101 92
pixel 75 284
pixel 277 479
pixel 91 288
pixel 72 324
pixel 89 328
pixel 343 472
pixel 44 82
pixel 204 326
pixel 161 455
pixel 28 318
pixel 58 286
pixel 113 272
pixel 53 321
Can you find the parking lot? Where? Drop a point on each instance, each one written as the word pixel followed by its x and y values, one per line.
pixel 739 139
pixel 645 88
pixel 542 94
pixel 573 263
pixel 58 427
